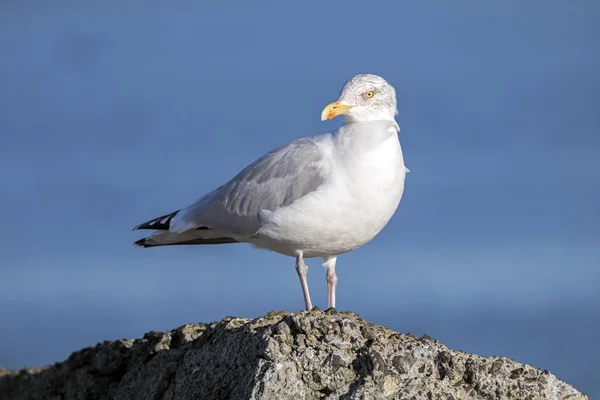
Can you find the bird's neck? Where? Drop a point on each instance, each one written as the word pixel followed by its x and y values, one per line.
pixel 366 114
pixel 348 120
pixel 364 137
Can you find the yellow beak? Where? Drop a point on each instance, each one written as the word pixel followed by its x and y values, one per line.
pixel 333 110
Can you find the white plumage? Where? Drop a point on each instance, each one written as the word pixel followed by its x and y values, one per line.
pixel 315 197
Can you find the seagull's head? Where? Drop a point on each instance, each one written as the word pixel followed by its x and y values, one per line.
pixel 365 97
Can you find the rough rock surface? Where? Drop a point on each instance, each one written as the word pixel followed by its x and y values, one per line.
pixel 310 355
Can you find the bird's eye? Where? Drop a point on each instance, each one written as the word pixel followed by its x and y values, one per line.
pixel 369 94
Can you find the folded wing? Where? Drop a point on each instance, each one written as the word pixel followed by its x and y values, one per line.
pixel 276 180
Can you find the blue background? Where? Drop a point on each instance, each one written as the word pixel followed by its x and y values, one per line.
pixel 116 113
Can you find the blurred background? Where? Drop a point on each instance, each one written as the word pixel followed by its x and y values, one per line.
pixel 114 113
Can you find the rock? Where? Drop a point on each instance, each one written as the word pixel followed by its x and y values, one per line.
pixel 310 355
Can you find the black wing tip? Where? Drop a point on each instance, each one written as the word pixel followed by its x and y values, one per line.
pixel 160 223
pixel 220 240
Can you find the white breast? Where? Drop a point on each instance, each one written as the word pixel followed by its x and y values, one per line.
pixel 363 193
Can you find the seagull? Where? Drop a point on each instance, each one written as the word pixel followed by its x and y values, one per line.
pixel 319 196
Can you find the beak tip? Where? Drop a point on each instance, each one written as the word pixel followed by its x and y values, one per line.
pixel 334 109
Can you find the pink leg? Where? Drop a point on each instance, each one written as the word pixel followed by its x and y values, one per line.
pixel 332 280
pixel 302 269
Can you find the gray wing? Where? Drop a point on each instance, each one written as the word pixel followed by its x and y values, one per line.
pixel 276 180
